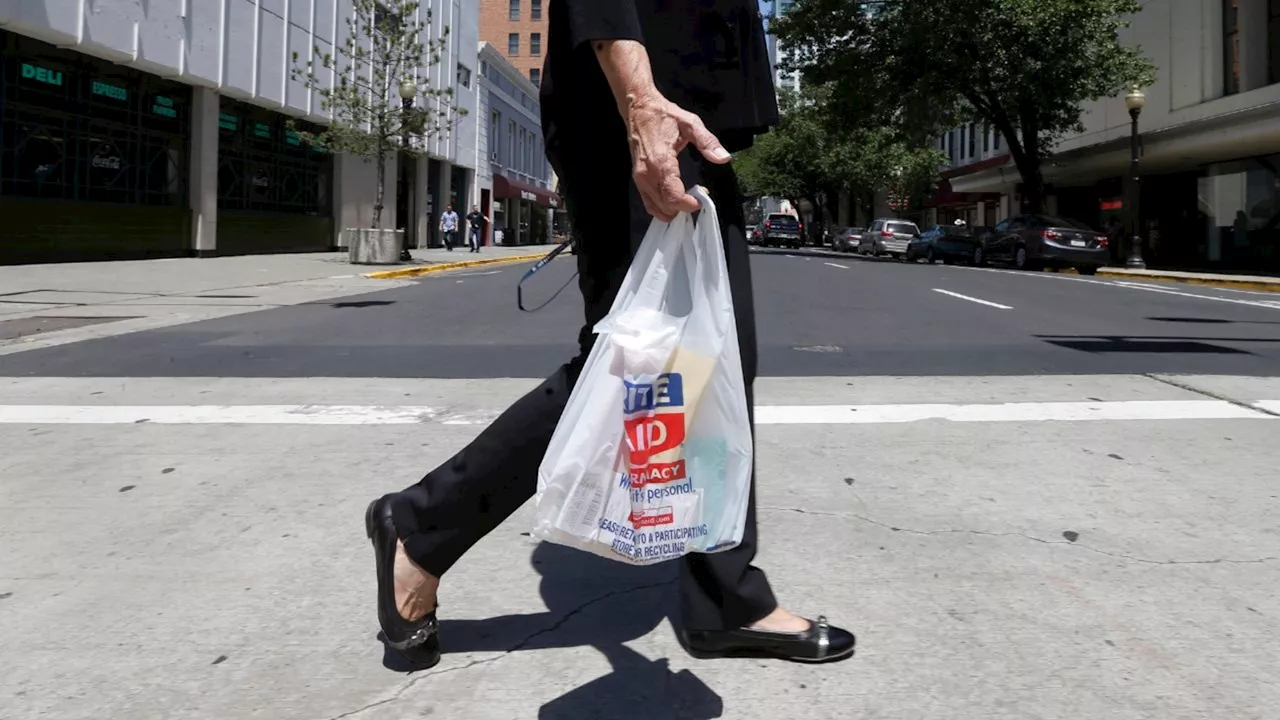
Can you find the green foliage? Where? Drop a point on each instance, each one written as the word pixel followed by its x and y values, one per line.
pixel 1024 66
pixel 388 42
pixel 815 152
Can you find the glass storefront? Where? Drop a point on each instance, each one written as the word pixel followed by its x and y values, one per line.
pixel 275 192
pixel 1239 204
pixel 93 157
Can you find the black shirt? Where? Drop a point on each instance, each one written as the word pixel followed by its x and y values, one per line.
pixel 708 56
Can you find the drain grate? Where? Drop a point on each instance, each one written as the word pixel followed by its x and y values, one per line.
pixel 25 327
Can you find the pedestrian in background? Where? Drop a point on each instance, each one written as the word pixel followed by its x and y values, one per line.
pixel 475 226
pixel 641 99
pixel 449 227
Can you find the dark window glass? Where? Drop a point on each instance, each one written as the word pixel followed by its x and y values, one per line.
pixel 265 165
pixel 535 44
pixel 513 44
pixel 513 10
pixel 73 128
pixel 535 76
pixel 535 9
pixel 1231 46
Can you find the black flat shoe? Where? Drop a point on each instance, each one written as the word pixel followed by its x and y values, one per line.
pixel 819 644
pixel 418 641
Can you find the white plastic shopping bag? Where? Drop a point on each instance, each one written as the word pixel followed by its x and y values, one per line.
pixel 652 457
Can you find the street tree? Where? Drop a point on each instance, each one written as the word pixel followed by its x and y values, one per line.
pixel 376 86
pixel 815 154
pixel 1022 66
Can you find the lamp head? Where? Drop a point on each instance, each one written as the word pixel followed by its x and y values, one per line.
pixel 408 89
pixel 1135 99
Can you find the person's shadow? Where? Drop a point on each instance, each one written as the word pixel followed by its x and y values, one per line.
pixel 596 602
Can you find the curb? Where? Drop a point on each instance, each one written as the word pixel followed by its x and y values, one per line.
pixel 420 270
pixel 1178 279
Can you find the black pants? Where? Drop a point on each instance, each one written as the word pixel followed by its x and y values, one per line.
pixel 458 503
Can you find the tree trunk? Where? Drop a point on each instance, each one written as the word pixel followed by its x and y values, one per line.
pixel 1032 187
pixel 381 170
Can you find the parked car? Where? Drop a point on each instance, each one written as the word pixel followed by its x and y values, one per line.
pixel 888 236
pixel 782 229
pixel 948 243
pixel 1031 242
pixel 846 239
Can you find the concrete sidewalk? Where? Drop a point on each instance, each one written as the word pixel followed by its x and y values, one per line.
pixel 1119 570
pixel 45 305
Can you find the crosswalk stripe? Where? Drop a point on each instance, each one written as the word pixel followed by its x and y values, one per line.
pixel 765 414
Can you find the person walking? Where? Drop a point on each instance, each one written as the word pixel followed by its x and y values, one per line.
pixel 475 226
pixel 641 99
pixel 449 227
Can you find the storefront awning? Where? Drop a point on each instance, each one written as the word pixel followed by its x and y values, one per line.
pixel 505 187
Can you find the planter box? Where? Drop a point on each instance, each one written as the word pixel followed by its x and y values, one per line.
pixel 373 247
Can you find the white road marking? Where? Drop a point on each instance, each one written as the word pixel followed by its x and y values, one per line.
pixel 972 299
pixel 1271 305
pixel 765 414
pixel 1136 286
pixel 1007 412
pixel 837 265
pixel 1271 406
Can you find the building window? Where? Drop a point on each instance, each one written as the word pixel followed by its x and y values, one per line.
pixel 1231 46
pixel 511 143
pixel 535 9
pixel 464 75
pixel 535 76
pixel 76 130
pixel 535 44
pixel 495 127
pixel 263 165
pixel 996 141
pixel 973 140
pixel 513 12
pixel 986 138
pixel 513 44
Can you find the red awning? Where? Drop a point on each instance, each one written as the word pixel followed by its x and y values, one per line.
pixel 505 187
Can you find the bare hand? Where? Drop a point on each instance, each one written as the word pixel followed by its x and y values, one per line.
pixel 658 130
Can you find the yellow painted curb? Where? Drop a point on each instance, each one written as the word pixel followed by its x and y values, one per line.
pixel 420 270
pixel 1222 282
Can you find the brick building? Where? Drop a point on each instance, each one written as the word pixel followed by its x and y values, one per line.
pixel 518 30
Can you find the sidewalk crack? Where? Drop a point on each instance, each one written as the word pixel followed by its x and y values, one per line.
pixel 1209 394
pixel 985 533
pixel 521 645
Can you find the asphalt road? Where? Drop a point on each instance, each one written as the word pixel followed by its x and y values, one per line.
pixel 818 315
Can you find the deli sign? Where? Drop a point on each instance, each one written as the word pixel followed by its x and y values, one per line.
pixel 526 195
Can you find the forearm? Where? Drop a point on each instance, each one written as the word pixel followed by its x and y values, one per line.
pixel 626 66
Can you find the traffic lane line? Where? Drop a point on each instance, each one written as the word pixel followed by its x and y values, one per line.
pixel 988 303
pixel 837 265
pixel 1132 410
pixel 1131 285
pixel 1268 304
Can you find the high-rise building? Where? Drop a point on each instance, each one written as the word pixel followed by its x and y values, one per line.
pixel 517 29
pixel 788 79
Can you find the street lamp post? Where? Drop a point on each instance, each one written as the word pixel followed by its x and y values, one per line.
pixel 1134 100
pixel 408 91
